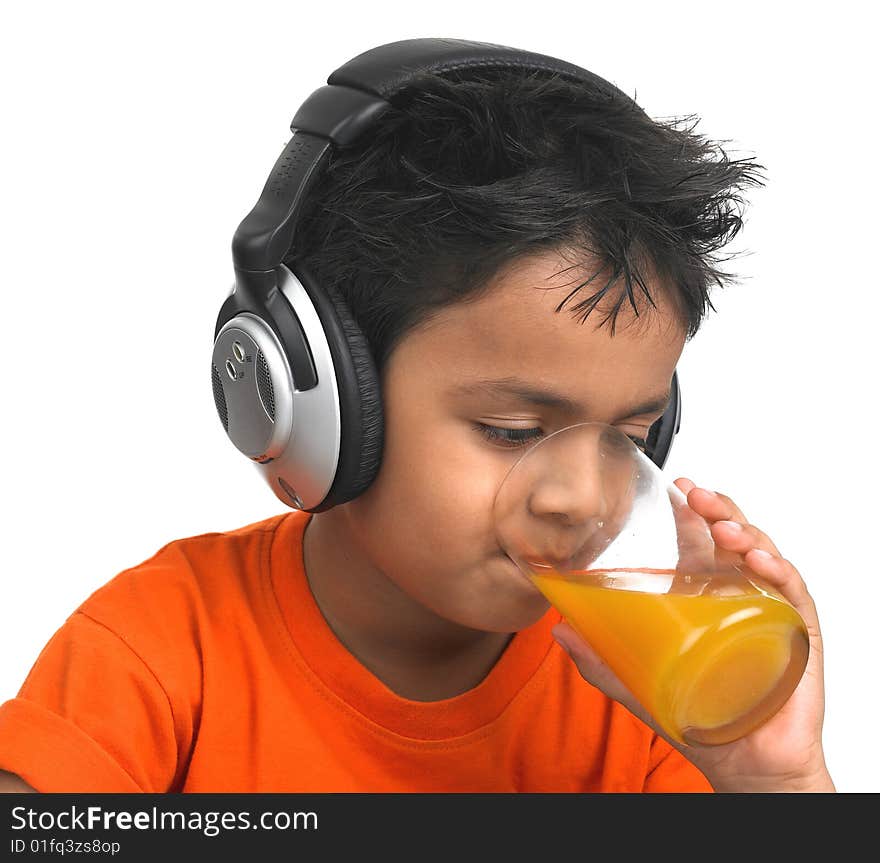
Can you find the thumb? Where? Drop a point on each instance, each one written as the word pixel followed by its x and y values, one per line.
pixel 597 672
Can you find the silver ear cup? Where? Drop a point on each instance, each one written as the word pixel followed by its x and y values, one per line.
pixel 292 436
pixel 251 369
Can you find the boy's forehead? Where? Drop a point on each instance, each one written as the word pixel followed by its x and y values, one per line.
pixel 515 321
pixel 513 330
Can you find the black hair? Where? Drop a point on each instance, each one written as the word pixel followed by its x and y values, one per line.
pixel 471 170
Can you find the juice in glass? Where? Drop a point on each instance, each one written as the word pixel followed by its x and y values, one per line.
pixel 710 657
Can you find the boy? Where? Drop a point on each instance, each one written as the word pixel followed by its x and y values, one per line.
pixel 387 644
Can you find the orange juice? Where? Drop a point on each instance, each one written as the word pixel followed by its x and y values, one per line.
pixel 710 657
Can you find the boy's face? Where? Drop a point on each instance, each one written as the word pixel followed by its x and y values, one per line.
pixel 426 521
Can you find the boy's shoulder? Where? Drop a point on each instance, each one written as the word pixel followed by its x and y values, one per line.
pixel 187 585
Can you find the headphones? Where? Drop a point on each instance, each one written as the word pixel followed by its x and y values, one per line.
pixel 294 383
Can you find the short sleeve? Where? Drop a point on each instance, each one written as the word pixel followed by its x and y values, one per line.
pixel 90 717
pixel 670 771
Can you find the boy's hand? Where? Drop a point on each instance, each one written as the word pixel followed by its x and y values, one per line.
pixel 785 753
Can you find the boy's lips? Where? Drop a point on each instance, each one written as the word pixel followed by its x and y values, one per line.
pixel 507 558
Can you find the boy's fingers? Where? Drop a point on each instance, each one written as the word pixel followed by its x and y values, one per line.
pixel 737 538
pixel 784 576
pixel 714 506
pixel 741 538
pixel 696 546
pixel 684 485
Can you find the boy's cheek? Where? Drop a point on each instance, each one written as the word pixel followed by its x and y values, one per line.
pixel 446 493
pixel 450 459
pixel 464 480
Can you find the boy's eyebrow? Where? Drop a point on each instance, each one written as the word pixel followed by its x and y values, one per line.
pixel 525 392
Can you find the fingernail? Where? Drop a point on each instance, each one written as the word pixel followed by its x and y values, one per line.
pixel 733 525
pixel 761 553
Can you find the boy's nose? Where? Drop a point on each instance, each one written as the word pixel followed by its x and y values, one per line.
pixel 568 516
pixel 563 502
pixel 571 502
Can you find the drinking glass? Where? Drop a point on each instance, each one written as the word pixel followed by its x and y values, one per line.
pixel 707 647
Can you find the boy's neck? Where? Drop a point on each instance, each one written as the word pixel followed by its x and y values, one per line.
pixel 413 651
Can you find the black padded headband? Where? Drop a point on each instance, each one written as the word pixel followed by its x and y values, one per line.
pixel 355 96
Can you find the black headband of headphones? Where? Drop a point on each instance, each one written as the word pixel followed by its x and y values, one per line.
pixel 355 96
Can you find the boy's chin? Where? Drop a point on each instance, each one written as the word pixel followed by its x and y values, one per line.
pixel 517 623
pixel 517 605
pixel 494 596
pixel 509 615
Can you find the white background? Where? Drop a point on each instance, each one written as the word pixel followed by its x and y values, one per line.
pixel 137 137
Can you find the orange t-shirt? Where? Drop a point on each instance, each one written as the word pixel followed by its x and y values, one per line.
pixel 210 668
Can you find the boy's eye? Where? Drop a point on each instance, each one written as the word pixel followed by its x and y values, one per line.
pixel 510 438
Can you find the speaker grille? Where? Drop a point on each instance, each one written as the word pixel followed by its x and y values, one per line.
pixel 219 397
pixel 264 385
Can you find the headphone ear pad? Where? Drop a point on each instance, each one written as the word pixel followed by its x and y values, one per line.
pixel 663 431
pixel 360 399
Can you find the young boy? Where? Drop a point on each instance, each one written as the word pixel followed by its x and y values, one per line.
pixel 387 644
